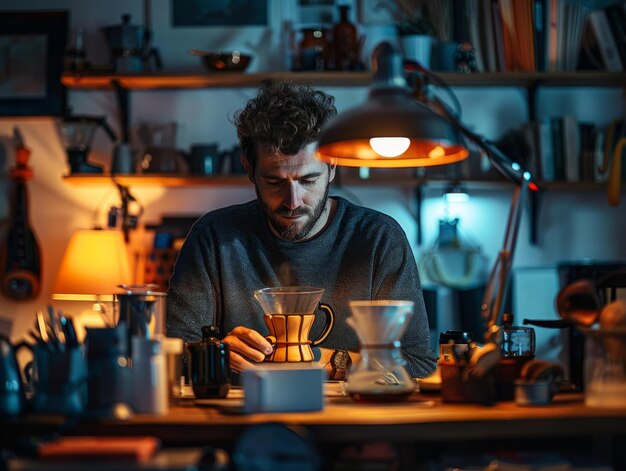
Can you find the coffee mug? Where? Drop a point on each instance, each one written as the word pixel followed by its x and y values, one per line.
pixel 289 316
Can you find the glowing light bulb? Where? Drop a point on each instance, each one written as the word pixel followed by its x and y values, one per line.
pixel 390 146
pixel 436 152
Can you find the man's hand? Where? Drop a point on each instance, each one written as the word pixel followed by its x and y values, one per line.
pixel 246 346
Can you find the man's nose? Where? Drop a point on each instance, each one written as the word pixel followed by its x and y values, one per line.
pixel 293 196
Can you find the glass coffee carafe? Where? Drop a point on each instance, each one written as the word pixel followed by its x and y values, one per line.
pixel 380 375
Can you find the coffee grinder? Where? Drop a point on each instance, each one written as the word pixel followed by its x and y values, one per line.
pixel 77 135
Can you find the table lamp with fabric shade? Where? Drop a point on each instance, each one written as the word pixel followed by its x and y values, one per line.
pixel 94 263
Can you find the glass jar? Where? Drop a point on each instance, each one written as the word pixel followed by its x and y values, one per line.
pixel 605 367
pixel 517 347
pixel 314 49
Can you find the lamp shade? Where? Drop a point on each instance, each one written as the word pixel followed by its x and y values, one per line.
pixel 94 263
pixel 390 113
pixel 391 129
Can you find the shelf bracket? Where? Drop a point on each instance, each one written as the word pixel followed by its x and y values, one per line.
pixel 531 100
pixel 535 207
pixel 535 196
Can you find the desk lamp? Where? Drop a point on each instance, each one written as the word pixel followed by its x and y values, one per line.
pixel 94 263
pixel 402 127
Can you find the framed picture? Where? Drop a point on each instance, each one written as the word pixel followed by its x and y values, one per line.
pixel 219 13
pixel 316 11
pixel 32 44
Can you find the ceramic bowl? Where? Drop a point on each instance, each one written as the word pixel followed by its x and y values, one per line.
pixel 233 61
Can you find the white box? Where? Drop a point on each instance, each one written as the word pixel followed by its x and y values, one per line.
pixel 283 388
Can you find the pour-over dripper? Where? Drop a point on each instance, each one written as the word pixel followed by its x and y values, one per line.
pixel 289 299
pixel 380 375
pixel 289 315
pixel 380 321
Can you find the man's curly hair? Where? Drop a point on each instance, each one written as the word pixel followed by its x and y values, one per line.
pixel 283 117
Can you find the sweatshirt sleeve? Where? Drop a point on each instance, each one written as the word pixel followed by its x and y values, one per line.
pixel 191 297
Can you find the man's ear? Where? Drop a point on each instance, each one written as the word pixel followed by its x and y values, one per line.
pixel 247 167
pixel 331 172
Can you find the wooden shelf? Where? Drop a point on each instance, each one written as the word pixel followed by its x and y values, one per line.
pixel 91 81
pixel 470 184
pixel 215 80
pixel 177 180
pixel 167 180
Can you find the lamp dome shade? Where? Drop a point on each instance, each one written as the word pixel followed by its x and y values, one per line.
pixel 94 263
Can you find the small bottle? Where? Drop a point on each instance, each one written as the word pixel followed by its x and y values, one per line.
pixel 345 41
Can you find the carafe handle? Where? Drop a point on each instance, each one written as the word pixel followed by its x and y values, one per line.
pixel 330 322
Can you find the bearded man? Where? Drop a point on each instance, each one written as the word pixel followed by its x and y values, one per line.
pixel 293 234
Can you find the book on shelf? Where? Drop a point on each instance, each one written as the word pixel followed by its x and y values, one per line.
pixel 558 154
pixel 616 17
pixel 474 31
pixel 588 136
pixel 517 34
pixel 553 20
pixel 487 41
pixel 606 43
pixel 601 168
pixel 546 152
pixel 575 17
pixel 540 32
pixel 571 148
pixel 498 34
pixel 526 35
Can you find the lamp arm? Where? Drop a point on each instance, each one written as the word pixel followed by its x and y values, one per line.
pixel 501 162
pixel 498 281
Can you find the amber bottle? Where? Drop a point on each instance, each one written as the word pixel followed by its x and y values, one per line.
pixel 314 49
pixel 345 42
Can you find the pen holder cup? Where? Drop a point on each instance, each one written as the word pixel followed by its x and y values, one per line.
pixel 60 380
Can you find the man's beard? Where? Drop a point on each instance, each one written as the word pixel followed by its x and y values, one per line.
pixel 294 232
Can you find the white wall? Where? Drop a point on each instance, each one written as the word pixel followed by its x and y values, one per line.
pixel 571 225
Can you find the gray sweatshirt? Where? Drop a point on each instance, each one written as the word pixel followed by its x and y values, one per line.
pixel 362 254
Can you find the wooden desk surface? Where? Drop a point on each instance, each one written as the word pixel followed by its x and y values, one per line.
pixel 422 419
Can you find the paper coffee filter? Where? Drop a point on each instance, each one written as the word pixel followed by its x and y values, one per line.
pixel 380 321
pixel 289 299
